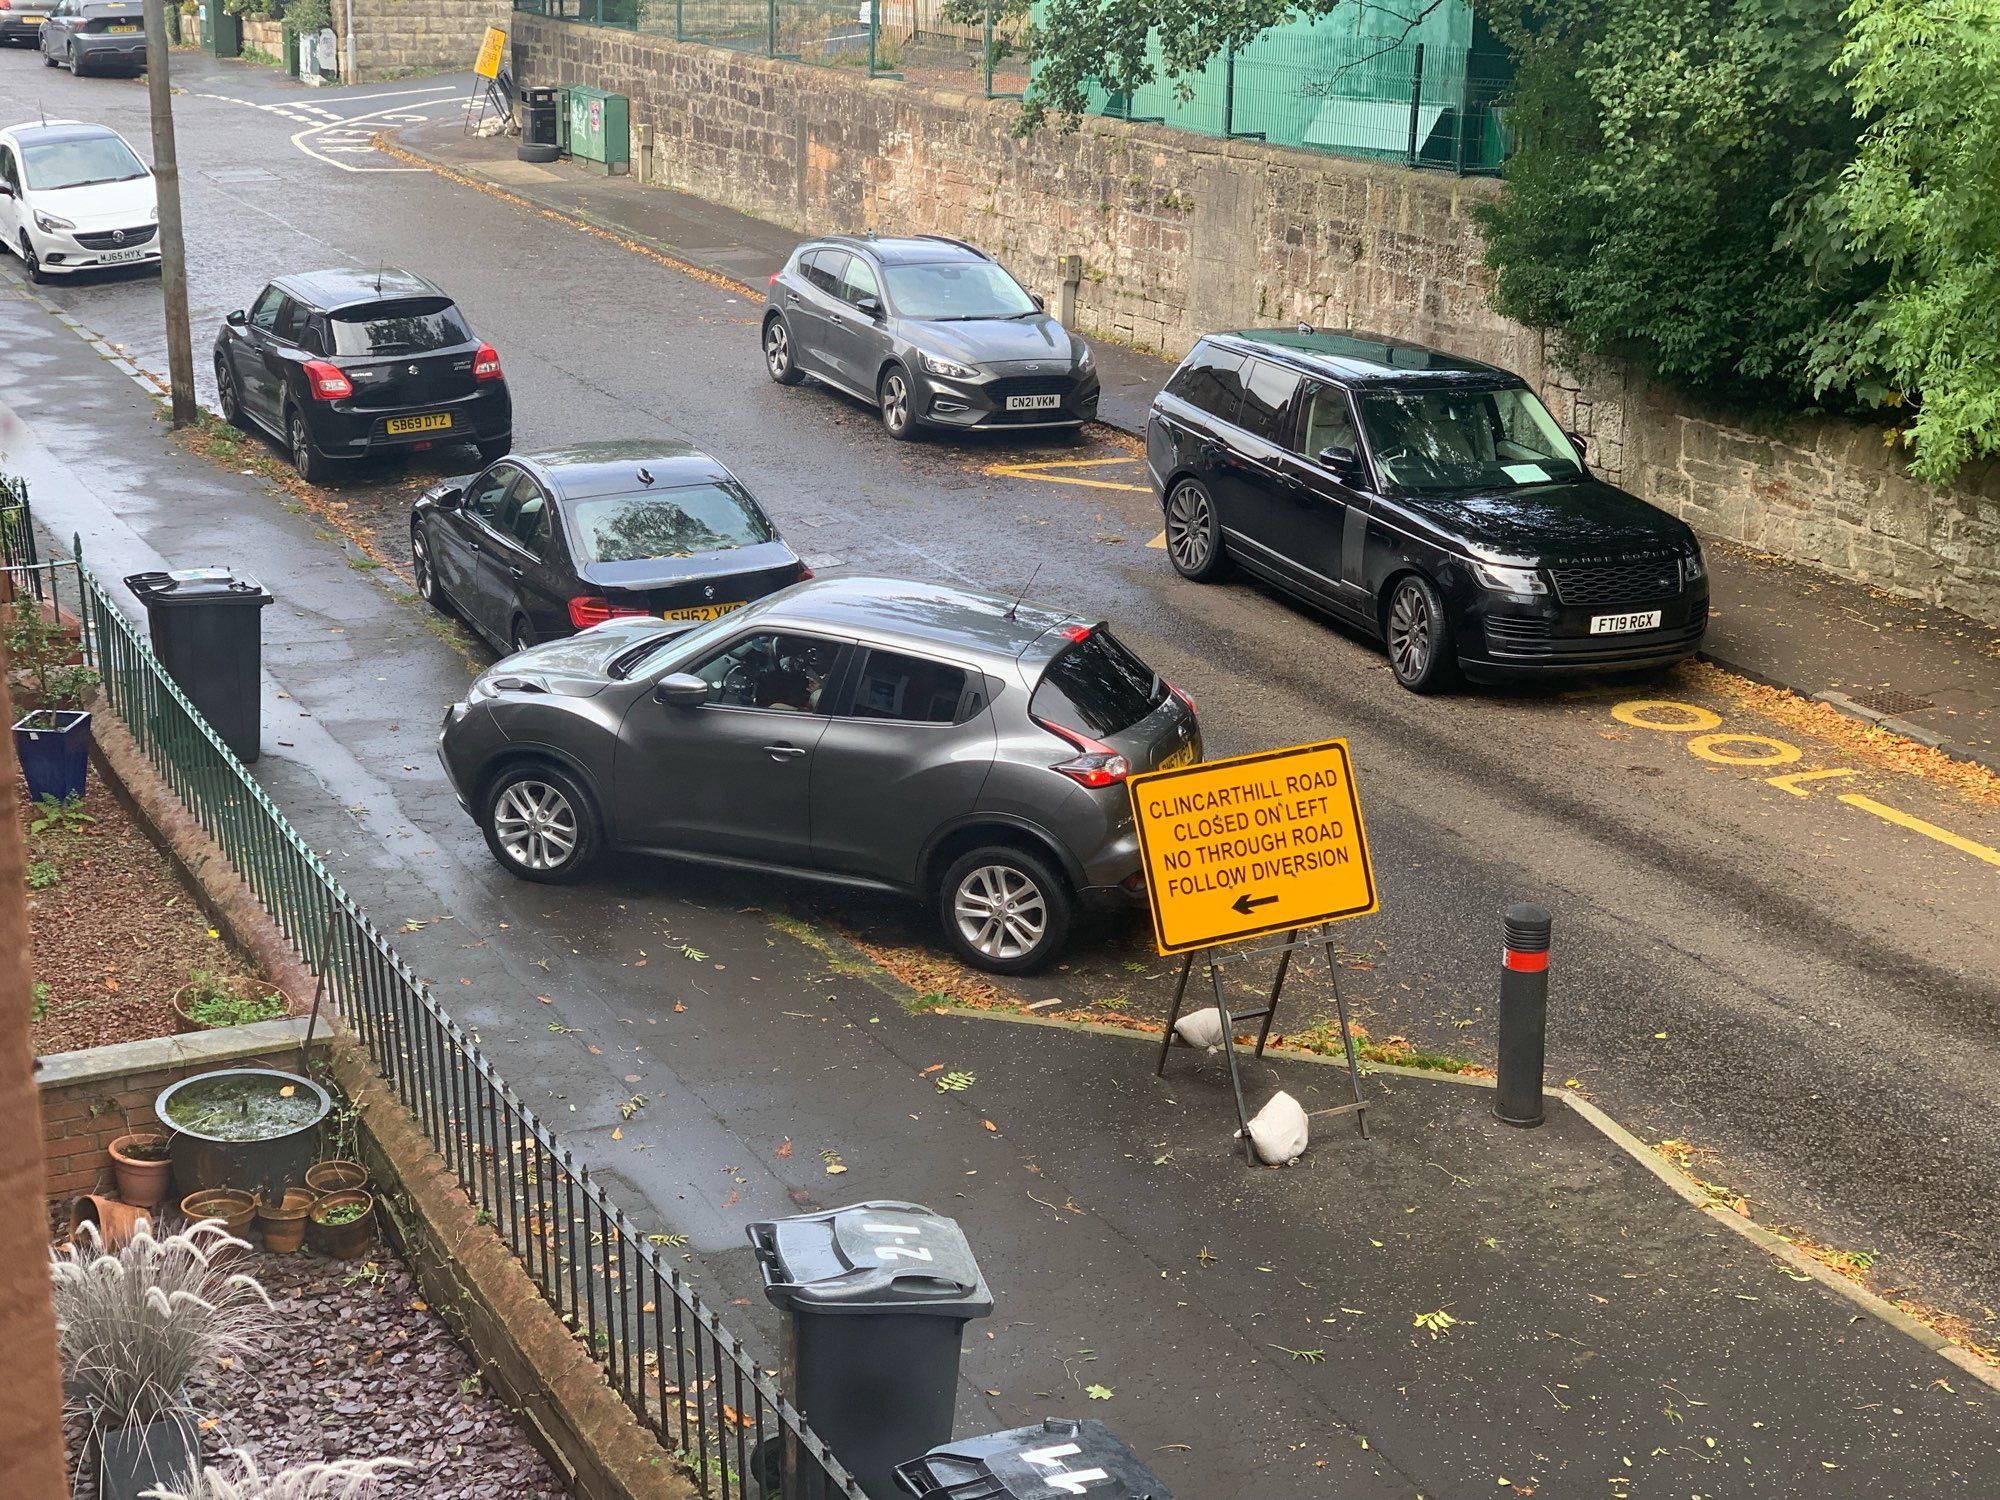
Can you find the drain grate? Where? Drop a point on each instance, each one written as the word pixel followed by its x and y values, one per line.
pixel 1884 700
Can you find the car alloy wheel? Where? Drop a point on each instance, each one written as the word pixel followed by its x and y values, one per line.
pixel 309 464
pixel 535 826
pixel 423 570
pixel 1419 636
pixel 778 353
pixel 225 394
pixel 520 638
pixel 31 260
pixel 896 404
pixel 1193 537
pixel 1000 912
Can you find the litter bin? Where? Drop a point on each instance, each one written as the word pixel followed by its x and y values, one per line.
pixel 1058 1458
pixel 538 124
pixel 207 628
pixel 876 1297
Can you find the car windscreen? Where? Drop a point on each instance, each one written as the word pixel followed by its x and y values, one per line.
pixel 678 522
pixel 1430 441
pixel 415 325
pixel 1097 687
pixel 81 161
pixel 955 291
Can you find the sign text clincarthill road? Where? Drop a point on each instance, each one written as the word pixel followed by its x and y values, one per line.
pixel 1259 843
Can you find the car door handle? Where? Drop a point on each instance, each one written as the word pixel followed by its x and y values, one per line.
pixel 783 752
pixel 516 574
pixel 472 546
pixel 791 299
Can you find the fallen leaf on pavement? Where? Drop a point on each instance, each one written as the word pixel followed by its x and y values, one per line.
pixel 784 1147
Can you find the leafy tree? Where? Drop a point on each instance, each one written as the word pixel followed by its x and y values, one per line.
pixel 1668 152
pixel 1922 201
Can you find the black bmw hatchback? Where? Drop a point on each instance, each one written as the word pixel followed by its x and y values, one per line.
pixel 346 363
pixel 543 545
pixel 1430 500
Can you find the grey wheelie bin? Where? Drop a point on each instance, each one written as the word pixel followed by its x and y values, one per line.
pixel 208 632
pixel 876 1297
pixel 1055 1459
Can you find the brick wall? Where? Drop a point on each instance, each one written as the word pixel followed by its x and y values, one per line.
pixel 89 1099
pixel 1181 233
pixel 394 37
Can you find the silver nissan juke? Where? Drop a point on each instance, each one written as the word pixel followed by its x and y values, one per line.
pixel 958 747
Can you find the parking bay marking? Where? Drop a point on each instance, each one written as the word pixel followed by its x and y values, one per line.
pixel 1710 742
pixel 1043 473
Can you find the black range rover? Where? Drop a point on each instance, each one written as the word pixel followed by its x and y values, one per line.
pixel 1429 499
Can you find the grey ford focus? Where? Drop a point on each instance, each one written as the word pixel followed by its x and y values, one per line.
pixel 961 748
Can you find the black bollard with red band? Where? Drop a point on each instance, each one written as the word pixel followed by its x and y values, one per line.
pixel 1524 1014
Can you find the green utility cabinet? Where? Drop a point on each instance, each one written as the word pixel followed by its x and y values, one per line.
pixel 597 128
pixel 225 30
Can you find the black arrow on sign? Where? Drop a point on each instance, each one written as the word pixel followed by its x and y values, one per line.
pixel 1246 903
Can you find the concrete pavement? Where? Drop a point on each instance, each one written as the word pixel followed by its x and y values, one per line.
pixel 1259 1332
pixel 1925 673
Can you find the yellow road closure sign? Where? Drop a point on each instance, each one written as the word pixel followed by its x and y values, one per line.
pixel 488 65
pixel 1255 844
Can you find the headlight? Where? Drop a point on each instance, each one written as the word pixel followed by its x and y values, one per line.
pixel 1083 356
pixel 1693 568
pixel 948 368
pixel 1508 580
pixel 50 223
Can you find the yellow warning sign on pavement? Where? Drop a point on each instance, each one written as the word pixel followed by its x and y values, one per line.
pixel 1255 844
pixel 490 47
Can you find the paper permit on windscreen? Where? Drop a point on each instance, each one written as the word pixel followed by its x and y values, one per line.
pixel 1525 473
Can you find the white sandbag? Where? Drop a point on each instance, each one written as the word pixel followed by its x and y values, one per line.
pixel 1200 1028
pixel 1278 1130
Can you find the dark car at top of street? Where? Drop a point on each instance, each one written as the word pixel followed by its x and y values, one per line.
pixel 930 331
pixel 95 36
pixel 21 22
pixel 351 362
pixel 542 545
pixel 964 749
pixel 1428 499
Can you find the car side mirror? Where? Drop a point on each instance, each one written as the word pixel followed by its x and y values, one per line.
pixel 6 189
pixel 1041 302
pixel 1576 442
pixel 450 499
pixel 869 307
pixel 681 690
pixel 1344 462
pixel 238 318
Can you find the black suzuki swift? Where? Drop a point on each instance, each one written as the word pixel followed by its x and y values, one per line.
pixel 347 363
pixel 1428 499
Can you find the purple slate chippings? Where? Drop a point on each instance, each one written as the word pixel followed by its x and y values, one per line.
pixel 319 1390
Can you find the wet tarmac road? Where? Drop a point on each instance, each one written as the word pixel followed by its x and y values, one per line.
pixel 1802 986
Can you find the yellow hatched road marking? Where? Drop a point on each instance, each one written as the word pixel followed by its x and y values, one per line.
pixel 1916 824
pixel 1043 473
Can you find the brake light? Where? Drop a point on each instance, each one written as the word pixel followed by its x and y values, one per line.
pixel 486 363
pixel 1077 633
pixel 774 275
pixel 1186 700
pixel 591 610
pixel 1096 766
pixel 804 573
pixel 326 381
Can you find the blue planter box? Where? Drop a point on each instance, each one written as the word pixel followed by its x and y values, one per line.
pixel 53 746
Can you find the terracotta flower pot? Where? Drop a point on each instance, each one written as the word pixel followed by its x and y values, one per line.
pixel 284 1223
pixel 114 1222
pixel 142 1180
pixel 336 1175
pixel 350 1239
pixel 234 1207
pixel 245 986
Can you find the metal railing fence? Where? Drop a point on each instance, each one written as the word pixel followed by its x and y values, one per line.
pixel 671 1359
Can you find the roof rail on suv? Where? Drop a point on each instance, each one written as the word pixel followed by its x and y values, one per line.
pixel 950 240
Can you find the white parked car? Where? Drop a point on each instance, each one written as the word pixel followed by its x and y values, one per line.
pixel 75 197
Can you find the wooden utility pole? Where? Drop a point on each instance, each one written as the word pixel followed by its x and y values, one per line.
pixel 167 182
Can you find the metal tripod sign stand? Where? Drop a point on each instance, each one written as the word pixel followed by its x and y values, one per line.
pixel 1246 847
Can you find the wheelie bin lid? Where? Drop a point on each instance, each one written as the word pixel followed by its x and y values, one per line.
pixel 197 586
pixel 1049 1461
pixel 871 1257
